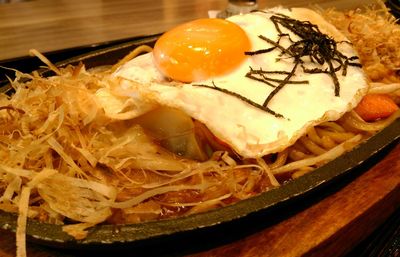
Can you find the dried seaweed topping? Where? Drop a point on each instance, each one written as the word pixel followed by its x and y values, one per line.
pixel 244 99
pixel 261 75
pixel 313 44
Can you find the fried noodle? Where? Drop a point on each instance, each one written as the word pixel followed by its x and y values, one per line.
pixel 63 161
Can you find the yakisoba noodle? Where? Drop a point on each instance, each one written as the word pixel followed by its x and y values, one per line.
pixel 55 140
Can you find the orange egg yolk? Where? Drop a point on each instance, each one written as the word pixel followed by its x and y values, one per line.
pixel 200 50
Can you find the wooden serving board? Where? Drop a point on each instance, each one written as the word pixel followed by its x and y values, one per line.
pixel 332 226
pixel 329 226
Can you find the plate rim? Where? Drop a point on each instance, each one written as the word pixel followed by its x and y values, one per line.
pixel 104 234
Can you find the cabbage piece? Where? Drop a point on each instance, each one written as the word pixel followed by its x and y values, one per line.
pixel 175 130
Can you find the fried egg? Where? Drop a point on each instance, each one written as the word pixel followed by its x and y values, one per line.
pixel 202 68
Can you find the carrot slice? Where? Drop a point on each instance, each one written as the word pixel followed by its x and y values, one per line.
pixel 376 106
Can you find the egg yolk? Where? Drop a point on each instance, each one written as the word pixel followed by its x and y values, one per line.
pixel 201 49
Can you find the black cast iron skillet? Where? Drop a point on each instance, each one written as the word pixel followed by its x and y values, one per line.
pixel 216 226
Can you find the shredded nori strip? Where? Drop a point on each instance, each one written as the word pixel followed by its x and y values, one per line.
pixel 280 86
pixel 318 47
pixel 226 91
pixel 263 74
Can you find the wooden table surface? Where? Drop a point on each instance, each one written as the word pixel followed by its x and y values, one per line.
pixel 49 25
pixel 329 227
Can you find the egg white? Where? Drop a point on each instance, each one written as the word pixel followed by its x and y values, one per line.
pixel 250 131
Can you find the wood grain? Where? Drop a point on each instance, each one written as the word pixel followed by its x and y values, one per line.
pixel 334 225
pixel 48 25
pixel 331 227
